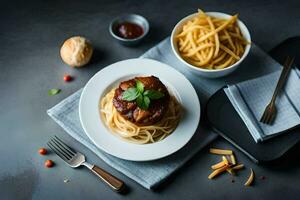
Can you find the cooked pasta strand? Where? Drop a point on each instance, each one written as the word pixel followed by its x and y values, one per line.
pixel 139 134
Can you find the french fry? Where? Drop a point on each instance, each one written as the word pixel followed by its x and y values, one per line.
pixel 197 49
pixel 225 160
pixel 227 50
pixel 229 40
pixel 230 171
pixel 221 56
pixel 216 37
pixel 229 165
pixel 211 43
pixel 218 165
pixel 250 179
pixel 217 172
pixel 233 161
pixel 220 151
pixel 225 63
pixel 237 167
pixel 231 20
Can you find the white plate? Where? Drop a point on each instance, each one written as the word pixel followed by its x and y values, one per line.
pixel 110 77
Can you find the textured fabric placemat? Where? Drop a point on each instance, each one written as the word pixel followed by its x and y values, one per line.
pixel 151 174
pixel 249 98
pixel 148 174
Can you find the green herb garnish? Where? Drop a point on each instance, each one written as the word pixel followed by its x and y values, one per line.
pixel 153 94
pixel 130 94
pixel 143 98
pixel 139 86
pixel 53 92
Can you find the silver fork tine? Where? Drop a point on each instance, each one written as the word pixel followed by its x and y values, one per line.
pixel 61 155
pixel 61 148
pixel 65 145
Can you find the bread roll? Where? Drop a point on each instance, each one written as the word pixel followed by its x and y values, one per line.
pixel 76 51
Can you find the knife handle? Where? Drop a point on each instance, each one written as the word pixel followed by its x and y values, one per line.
pixel 115 183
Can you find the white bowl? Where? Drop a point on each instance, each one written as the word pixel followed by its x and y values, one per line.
pixel 210 73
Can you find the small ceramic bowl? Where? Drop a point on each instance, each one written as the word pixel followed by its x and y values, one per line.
pixel 133 18
pixel 210 73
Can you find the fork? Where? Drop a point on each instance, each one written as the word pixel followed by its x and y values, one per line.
pixel 271 111
pixel 75 159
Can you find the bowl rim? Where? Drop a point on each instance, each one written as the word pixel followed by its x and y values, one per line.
pixel 240 24
pixel 145 28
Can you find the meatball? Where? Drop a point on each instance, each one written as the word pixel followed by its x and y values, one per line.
pixel 129 109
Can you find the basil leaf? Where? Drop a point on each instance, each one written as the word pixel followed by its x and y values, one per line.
pixel 143 102
pixel 154 94
pixel 140 101
pixel 146 102
pixel 139 86
pixel 130 94
pixel 53 92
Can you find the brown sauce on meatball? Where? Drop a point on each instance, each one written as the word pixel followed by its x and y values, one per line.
pixel 129 109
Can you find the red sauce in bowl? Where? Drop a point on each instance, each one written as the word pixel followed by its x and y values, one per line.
pixel 129 30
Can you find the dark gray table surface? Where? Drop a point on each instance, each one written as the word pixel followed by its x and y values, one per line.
pixel 31 35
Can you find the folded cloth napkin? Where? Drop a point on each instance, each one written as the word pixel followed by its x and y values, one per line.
pixel 148 174
pixel 250 98
pixel 151 174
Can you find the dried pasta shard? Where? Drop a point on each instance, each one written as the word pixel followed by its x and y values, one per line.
pixel 250 179
pixel 221 151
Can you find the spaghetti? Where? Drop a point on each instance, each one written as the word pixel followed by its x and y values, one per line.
pixel 139 134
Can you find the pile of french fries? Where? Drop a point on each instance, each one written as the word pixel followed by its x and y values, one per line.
pixel 228 164
pixel 211 43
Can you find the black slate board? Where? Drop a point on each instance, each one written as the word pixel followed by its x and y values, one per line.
pixel 223 118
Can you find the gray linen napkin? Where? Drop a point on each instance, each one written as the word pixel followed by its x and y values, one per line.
pixel 151 174
pixel 250 98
